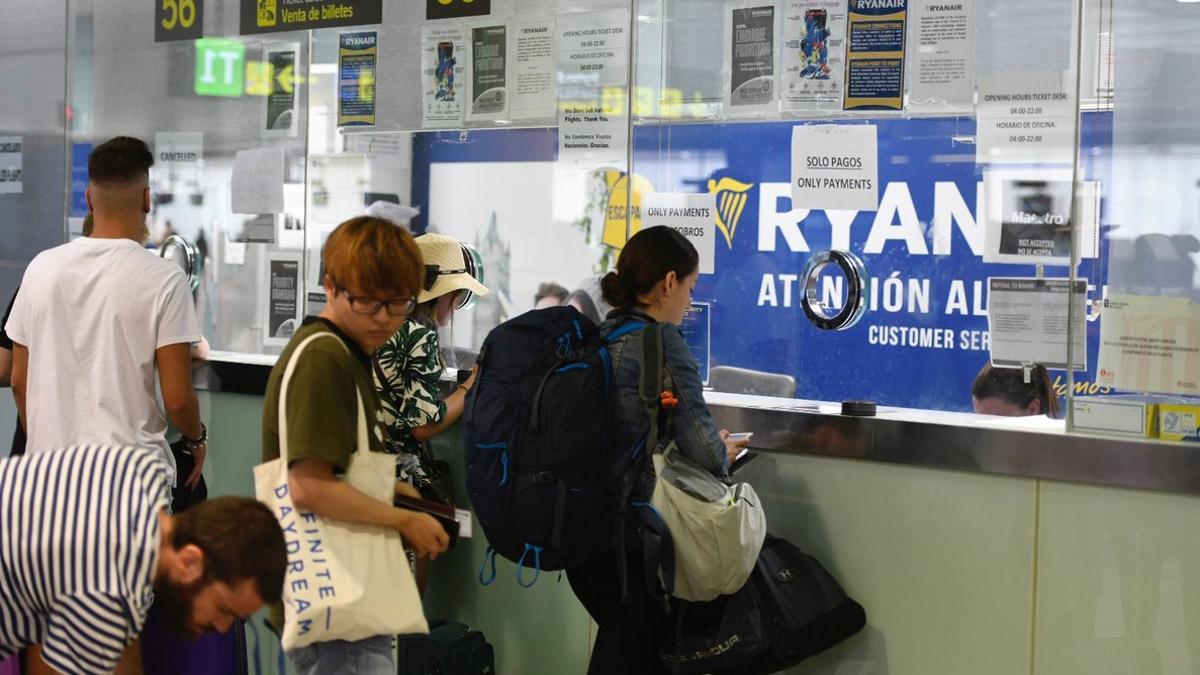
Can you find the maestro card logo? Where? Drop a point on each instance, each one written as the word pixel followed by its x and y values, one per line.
pixel 731 197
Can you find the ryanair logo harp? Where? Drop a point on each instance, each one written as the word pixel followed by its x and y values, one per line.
pixel 731 197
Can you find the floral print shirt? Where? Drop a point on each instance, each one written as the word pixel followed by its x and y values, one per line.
pixel 407 369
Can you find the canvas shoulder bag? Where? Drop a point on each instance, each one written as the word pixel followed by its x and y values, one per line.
pixel 717 529
pixel 345 581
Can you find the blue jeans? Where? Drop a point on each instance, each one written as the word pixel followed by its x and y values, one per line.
pixel 372 656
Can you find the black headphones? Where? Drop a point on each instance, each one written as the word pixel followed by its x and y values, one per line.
pixel 432 272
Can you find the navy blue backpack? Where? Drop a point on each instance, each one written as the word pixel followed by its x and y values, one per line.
pixel 539 470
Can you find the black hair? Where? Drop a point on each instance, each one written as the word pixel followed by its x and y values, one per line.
pixel 1009 385
pixel 241 539
pixel 646 259
pixel 120 160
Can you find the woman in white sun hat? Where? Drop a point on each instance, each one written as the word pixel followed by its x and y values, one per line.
pixel 408 367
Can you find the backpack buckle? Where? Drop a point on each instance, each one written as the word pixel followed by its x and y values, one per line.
pixel 544 477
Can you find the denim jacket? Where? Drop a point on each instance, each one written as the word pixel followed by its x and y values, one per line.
pixel 695 434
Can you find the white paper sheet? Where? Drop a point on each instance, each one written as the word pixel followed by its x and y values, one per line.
pixel 257 182
pixel 1026 118
pixel 11 152
pixel 835 166
pixel 1150 343
pixel 1028 319
pixel 593 78
pixel 943 70
pixel 532 54
pixel 692 215
pixel 178 158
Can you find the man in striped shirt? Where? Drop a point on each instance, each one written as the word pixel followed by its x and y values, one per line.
pixel 86 547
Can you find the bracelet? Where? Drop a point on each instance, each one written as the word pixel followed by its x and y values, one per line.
pixel 196 442
pixel 464 387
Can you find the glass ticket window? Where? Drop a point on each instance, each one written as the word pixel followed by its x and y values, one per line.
pixel 899 201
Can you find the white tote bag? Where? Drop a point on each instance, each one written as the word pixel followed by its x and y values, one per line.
pixel 717 529
pixel 344 581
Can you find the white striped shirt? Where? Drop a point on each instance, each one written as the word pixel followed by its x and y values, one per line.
pixel 79 540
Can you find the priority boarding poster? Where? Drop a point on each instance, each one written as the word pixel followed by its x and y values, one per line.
pixel 751 58
pixel 489 58
pixel 875 55
pixel 814 49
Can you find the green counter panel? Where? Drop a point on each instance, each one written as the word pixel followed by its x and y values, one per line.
pixel 960 573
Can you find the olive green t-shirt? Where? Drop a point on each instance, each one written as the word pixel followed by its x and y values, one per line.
pixel 322 413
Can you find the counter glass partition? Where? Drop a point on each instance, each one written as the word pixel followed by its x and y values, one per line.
pixel 916 137
pixel 980 184
pixel 1148 332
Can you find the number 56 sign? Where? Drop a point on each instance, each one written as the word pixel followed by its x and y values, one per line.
pixel 178 20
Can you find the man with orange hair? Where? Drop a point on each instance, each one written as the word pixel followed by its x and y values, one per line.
pixel 373 273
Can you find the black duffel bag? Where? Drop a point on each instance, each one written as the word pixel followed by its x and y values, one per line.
pixel 790 609
pixel 450 648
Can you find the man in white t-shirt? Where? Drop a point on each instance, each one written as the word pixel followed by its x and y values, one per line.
pixel 98 318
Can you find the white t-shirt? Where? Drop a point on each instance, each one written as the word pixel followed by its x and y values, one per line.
pixel 92 313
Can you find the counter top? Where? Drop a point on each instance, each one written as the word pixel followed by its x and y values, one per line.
pixel 1026 447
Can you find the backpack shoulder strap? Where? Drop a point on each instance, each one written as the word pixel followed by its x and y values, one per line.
pixel 657 547
pixel 650 382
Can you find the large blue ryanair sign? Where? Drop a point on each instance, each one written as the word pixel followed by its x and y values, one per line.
pixel 925 333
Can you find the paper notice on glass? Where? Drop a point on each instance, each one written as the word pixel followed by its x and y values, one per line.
pixel 1150 343
pixel 358 58
pixel 178 158
pixel 875 54
pixel 532 91
pixel 11 152
pixel 690 214
pixel 592 87
pixel 1025 118
pixel 444 59
pixel 1028 216
pixel 489 73
pixel 835 166
pixel 1028 320
pixel 943 62
pixel 283 288
pixel 257 182
pixel 813 55
pixel 751 57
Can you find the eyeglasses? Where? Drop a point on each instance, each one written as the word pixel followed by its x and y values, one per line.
pixel 370 306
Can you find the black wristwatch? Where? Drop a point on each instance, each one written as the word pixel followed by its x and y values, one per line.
pixel 196 442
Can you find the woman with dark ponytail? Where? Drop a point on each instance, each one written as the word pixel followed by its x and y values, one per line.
pixel 1004 391
pixel 653 282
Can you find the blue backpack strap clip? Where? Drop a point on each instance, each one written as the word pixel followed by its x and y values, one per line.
pixel 537 565
pixel 488 556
